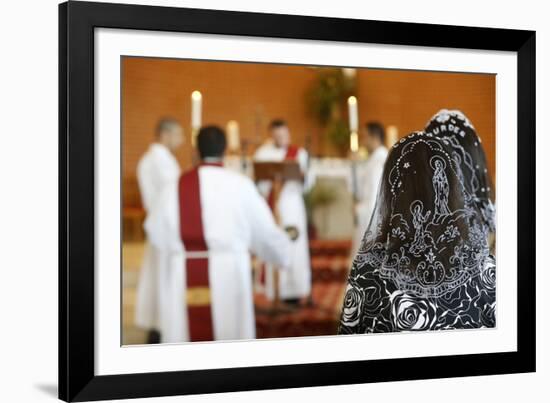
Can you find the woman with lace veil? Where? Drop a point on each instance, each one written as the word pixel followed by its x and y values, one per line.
pixel 424 261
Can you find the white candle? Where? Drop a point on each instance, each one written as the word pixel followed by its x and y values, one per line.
pixel 354 142
pixel 392 134
pixel 233 139
pixel 353 114
pixel 196 109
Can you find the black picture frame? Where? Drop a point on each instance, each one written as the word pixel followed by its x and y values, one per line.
pixel 77 21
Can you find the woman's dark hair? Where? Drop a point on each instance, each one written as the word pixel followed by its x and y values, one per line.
pixel 211 142
pixel 409 172
pixel 422 216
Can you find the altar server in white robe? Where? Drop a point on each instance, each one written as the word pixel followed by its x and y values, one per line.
pixel 295 283
pixel 157 168
pixel 368 180
pixel 205 226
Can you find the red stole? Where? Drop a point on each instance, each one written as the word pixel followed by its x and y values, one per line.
pixel 291 153
pixel 192 235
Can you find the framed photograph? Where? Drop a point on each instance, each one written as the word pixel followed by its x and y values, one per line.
pixel 256 201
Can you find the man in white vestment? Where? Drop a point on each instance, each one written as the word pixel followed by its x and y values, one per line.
pixel 157 168
pixel 205 226
pixel 368 180
pixel 295 283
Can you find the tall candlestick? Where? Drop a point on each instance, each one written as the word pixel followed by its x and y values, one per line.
pixel 233 138
pixel 196 115
pixel 392 134
pixel 354 142
pixel 353 114
pixel 196 109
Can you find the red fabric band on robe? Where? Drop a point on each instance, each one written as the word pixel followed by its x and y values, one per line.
pixel 192 235
pixel 291 153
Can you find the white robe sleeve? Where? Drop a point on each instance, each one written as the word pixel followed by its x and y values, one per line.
pixel 155 171
pixel 270 243
pixel 145 183
pixel 369 191
pixel 162 223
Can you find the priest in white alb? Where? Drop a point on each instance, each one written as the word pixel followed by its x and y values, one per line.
pixel 206 225
pixel 295 283
pixel 156 169
pixel 369 176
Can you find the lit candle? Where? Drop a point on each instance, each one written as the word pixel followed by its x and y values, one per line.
pixel 233 139
pixel 196 110
pixel 353 124
pixel 353 114
pixel 392 134
pixel 354 142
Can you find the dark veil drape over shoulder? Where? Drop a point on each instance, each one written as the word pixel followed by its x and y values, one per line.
pixel 466 148
pixel 424 261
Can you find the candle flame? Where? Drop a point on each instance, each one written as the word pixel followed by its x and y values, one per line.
pixel 196 95
pixel 352 100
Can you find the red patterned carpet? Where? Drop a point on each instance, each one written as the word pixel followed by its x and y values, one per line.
pixel 330 265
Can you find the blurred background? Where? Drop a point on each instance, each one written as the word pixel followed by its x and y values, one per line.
pixel 315 102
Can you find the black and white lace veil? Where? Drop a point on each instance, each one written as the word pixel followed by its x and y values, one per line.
pixel 466 148
pixel 426 237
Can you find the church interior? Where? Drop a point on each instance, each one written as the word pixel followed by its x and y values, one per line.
pixel 320 105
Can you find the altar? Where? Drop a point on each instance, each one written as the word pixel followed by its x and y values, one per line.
pixel 329 189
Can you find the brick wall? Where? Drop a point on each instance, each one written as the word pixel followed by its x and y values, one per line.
pixel 408 99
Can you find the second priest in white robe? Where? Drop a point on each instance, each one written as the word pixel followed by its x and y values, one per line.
pixel 156 169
